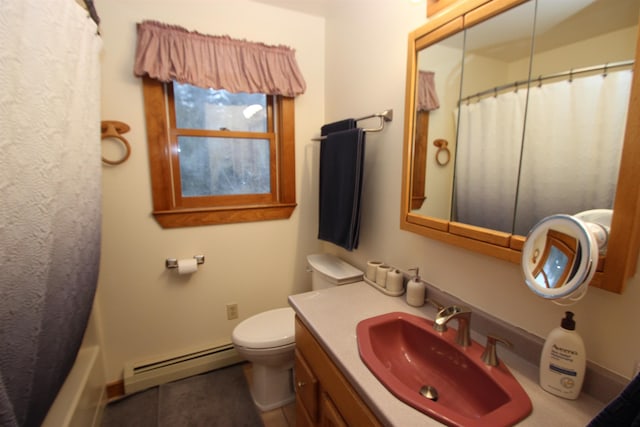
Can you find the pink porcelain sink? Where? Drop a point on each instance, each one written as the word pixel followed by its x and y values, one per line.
pixel 430 372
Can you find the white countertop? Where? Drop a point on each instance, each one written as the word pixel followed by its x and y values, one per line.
pixel 332 315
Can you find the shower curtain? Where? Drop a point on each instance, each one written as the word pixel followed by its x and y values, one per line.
pixel 489 133
pixel 571 145
pixel 51 191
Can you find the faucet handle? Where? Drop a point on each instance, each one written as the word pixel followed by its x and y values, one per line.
pixel 490 356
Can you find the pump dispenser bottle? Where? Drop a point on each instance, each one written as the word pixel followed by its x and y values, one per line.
pixel 563 360
pixel 415 291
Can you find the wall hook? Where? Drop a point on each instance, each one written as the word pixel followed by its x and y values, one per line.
pixel 115 129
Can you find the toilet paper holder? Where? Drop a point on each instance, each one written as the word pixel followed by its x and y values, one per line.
pixel 173 262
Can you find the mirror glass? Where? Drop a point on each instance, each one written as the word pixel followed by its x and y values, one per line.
pixel 509 175
pixel 577 107
pixel 563 165
pixel 559 258
pixel 439 66
pixel 492 114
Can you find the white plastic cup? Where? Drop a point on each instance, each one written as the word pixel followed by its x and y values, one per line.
pixel 381 275
pixel 372 269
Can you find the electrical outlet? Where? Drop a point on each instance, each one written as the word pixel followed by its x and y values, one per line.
pixel 232 311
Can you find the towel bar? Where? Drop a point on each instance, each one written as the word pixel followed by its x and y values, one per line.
pixel 384 116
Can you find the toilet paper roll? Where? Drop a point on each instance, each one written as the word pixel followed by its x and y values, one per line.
pixel 187 266
pixel 372 267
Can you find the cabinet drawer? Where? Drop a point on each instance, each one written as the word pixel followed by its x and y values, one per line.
pixel 306 386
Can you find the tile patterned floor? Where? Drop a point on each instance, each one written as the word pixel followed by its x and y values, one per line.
pixel 141 410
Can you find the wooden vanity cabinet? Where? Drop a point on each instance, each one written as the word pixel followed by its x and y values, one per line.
pixel 324 397
pixel 330 415
pixel 307 396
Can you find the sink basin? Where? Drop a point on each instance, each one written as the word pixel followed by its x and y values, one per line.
pixel 430 372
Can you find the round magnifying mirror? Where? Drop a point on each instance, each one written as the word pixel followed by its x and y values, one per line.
pixel 560 255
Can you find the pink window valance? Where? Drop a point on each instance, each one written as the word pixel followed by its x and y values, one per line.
pixel 427 96
pixel 167 52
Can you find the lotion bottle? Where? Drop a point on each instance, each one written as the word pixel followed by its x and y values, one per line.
pixel 415 291
pixel 563 360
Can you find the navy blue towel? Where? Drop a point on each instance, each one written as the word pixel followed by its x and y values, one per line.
pixel 624 410
pixel 341 170
pixel 337 126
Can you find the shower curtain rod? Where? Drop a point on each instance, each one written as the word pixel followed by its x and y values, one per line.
pixel 539 79
pixel 384 116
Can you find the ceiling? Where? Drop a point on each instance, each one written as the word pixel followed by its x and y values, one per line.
pixel 311 7
pixel 561 18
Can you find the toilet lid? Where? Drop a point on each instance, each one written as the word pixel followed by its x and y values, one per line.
pixel 334 268
pixel 273 328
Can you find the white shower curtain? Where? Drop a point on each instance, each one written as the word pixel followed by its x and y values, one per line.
pixel 572 146
pixel 50 186
pixel 489 136
pixel 570 154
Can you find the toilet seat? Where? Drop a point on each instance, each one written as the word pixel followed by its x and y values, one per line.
pixel 272 328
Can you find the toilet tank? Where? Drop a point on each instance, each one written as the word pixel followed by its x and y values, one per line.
pixel 328 270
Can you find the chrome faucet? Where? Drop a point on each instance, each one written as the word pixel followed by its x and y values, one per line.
pixel 463 315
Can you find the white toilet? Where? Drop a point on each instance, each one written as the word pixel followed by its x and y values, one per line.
pixel 267 339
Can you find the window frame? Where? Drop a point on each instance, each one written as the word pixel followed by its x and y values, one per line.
pixel 171 210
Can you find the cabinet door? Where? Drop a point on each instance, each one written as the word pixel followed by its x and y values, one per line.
pixel 306 387
pixel 329 414
pixel 302 416
pixel 310 354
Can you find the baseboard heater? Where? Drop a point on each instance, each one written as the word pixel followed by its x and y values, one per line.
pixel 142 375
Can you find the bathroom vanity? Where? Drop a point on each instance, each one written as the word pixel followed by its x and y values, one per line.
pixel 323 395
pixel 334 387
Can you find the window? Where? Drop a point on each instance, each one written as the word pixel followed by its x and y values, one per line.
pixel 218 157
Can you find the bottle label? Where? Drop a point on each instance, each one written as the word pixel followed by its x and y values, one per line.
pixel 562 354
pixel 561 363
pixel 562 371
pixel 567 380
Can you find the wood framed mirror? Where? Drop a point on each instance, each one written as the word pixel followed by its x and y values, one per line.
pixel 464 19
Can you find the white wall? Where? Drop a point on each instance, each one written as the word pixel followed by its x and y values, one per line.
pixel 366 48
pixel 357 70
pixel 146 309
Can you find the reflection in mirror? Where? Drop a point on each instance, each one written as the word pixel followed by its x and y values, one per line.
pixel 560 254
pixel 431 181
pixel 558 259
pixel 499 162
pixel 565 40
pixel 427 101
pixel 577 107
pixel 492 115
